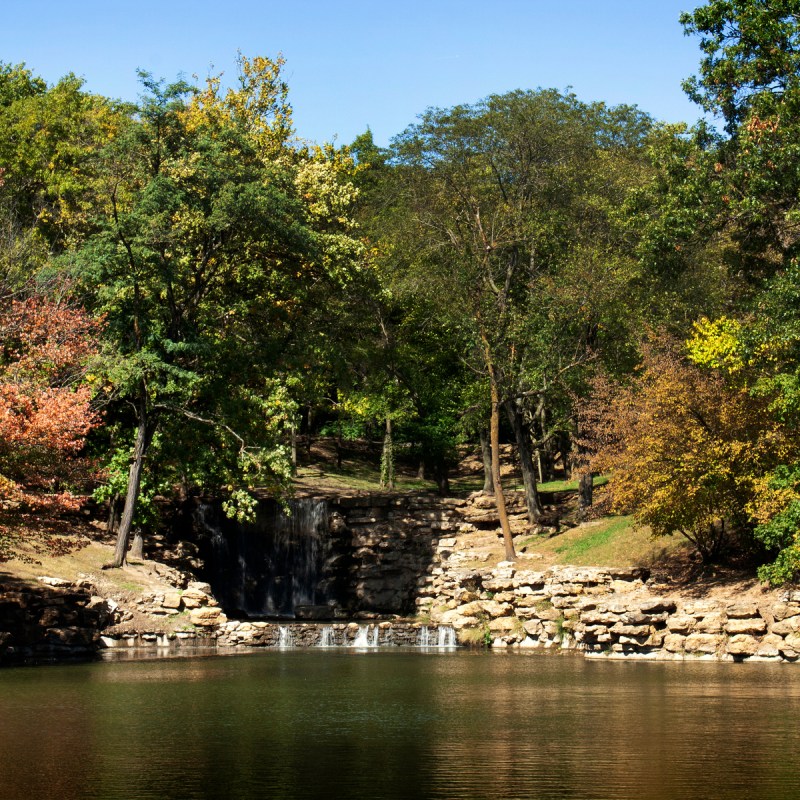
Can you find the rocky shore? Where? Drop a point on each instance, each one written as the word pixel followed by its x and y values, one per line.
pixel 608 613
pixel 415 575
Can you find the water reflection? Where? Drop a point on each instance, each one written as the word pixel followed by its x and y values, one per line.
pixel 399 725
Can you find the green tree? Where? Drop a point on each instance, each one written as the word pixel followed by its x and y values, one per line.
pixel 215 230
pixel 499 201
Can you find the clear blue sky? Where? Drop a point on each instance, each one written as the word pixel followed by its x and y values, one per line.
pixel 353 63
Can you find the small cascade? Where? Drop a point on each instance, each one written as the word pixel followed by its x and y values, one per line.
pixel 444 638
pixel 285 636
pixel 326 638
pixel 364 639
pixel 447 636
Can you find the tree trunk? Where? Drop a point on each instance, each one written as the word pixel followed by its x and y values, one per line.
pixel 585 492
pixel 143 436
pixel 387 458
pixel 522 435
pixel 113 514
pixel 421 470
pixel 137 546
pixel 486 455
pixel 499 498
pixel 294 448
pixel 441 477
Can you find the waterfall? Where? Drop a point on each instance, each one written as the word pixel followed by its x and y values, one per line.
pixel 447 636
pixel 364 639
pixel 285 636
pixel 326 638
pixel 268 567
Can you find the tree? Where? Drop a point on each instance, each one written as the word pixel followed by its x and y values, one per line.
pixel 749 78
pixel 46 407
pixel 685 447
pixel 50 140
pixel 215 232
pixel 500 200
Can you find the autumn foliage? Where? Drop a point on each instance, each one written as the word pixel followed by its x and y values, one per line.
pixel 686 448
pixel 45 403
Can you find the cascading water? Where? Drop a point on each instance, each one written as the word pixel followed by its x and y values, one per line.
pixel 270 567
pixel 285 636
pixel 447 636
pixel 361 639
pixel 424 639
pixel 326 638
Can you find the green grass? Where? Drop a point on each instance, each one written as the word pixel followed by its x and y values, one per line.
pixel 595 539
pixel 475 484
pixel 570 486
pixel 612 541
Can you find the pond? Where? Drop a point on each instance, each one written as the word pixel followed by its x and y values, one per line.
pixel 399 724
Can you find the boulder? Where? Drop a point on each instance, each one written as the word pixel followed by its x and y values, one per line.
pixel 749 625
pixel 208 616
pixel 702 643
pixel 743 645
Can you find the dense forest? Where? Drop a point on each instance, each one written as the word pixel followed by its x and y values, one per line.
pixel 186 286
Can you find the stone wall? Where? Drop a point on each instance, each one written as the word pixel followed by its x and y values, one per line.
pixel 393 555
pixel 607 613
pixel 51 621
pixel 386 543
pixel 366 561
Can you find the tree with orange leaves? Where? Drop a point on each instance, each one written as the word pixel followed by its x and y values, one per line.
pixel 45 402
pixel 685 447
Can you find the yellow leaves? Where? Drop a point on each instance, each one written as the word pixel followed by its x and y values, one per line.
pixel 768 501
pixel 329 198
pixel 715 344
pixel 684 445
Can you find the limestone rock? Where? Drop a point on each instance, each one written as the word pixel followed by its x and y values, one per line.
pixel 786 626
pixel 656 605
pixel 680 623
pixel 504 624
pixel 60 583
pixel 782 611
pixel 793 641
pixel 495 609
pixel 208 616
pixel 172 600
pixel 742 610
pixel 769 646
pixel 743 645
pixel 702 643
pixel 739 625
pixel 711 623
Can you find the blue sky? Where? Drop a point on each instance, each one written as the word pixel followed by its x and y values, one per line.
pixel 354 63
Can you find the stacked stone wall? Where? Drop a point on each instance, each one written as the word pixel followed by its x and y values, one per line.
pixel 50 621
pixel 608 613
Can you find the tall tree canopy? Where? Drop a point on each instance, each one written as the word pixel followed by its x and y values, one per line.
pixel 504 225
pixel 216 231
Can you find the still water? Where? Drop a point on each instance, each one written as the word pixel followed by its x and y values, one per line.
pixel 390 724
